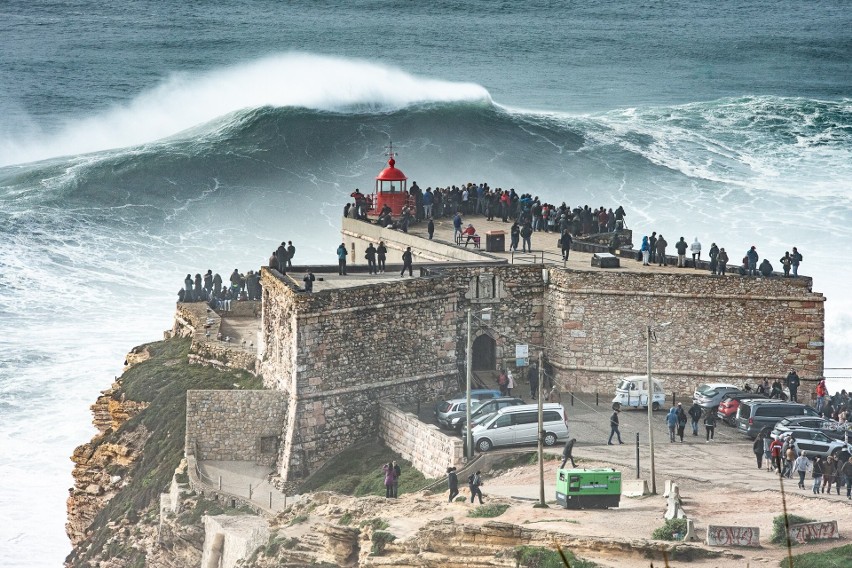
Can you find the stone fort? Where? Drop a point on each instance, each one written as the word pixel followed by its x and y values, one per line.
pixel 328 358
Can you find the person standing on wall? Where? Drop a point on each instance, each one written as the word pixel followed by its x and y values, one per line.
pixel 796 259
pixel 695 248
pixel 370 255
pixel 613 428
pixel 382 254
pixel 282 257
pixel 407 259
pixel 565 242
pixel 723 261
pixel 526 235
pixel 652 244
pixel 309 281
pixel 291 252
pixel 453 482
pixel 793 383
pixel 714 258
pixel 661 251
pixel 681 247
pixel 342 253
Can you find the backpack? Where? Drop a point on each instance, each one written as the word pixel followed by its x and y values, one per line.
pixel 470 479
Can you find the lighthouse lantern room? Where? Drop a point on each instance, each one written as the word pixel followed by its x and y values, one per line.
pixel 391 189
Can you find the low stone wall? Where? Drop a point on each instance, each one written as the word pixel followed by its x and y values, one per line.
pixel 235 425
pixel 429 450
pixel 805 532
pixel 222 355
pixel 733 536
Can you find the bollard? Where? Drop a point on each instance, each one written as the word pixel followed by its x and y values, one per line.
pixel 572 398
pixel 674 398
pixel 637 455
pixel 220 483
pixel 596 398
pixel 249 491
pixel 270 499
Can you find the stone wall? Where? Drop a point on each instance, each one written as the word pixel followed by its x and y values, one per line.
pixel 401 340
pixel 232 425
pixel 725 329
pixel 429 450
pixel 231 538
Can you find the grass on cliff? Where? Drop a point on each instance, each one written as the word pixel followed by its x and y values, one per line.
pixel 358 471
pixel 540 557
pixel 162 381
pixel 835 558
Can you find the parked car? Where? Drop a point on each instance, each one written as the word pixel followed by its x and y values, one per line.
pixel 711 394
pixel 755 414
pixel 519 425
pixel 483 410
pixel 478 394
pixel 799 423
pixel 727 411
pixel 815 443
pixel 452 409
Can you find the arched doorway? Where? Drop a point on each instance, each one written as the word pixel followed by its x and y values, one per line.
pixel 484 353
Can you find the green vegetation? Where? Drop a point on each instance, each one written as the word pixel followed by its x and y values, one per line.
pixel 380 540
pixel 376 524
pixel 297 519
pixel 345 519
pixel 669 528
pixel 521 459
pixel 212 508
pixel 779 535
pixel 358 471
pixel 835 558
pixel 540 557
pixel 161 381
pixel 488 511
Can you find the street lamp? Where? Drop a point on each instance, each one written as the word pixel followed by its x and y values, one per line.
pixel 541 502
pixel 469 365
pixel 649 333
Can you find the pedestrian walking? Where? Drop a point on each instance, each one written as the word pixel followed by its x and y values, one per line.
pixel 453 482
pixel 613 427
pixel 532 378
pixel 407 259
pixel 381 255
pixel 801 467
pixel 695 416
pixel 511 382
pixel 397 473
pixel 757 448
pixel 567 452
pixel 710 424
pixel 474 482
pixel 817 473
pixel 847 473
pixel 681 421
pixel 671 421
pixel 389 473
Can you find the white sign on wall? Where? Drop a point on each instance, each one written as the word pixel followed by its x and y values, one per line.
pixel 522 351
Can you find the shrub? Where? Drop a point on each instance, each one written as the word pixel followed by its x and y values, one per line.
pixel 834 558
pixel 376 524
pixel 487 511
pixel 669 528
pixel 345 519
pixel 778 529
pixel 380 540
pixel 540 557
pixel 297 519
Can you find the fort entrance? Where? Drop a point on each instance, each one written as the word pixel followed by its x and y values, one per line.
pixel 484 353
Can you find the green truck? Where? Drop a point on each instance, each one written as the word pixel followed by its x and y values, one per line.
pixel 596 488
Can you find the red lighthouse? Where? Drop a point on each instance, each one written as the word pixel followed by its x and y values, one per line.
pixel 391 188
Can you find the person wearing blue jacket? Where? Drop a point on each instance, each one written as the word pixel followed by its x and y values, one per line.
pixel 646 251
pixel 671 421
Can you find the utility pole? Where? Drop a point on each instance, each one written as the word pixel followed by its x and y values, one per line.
pixel 541 503
pixel 469 364
pixel 651 412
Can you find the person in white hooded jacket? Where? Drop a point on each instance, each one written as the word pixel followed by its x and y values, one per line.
pixel 695 248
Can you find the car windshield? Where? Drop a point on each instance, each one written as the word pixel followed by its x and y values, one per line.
pixel 706 390
pixel 444 406
pixel 624 385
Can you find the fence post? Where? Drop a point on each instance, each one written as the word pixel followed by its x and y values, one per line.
pixel 249 491
pixel 596 398
pixel 220 483
pixel 270 499
pixel 674 398
pixel 637 455
pixel 572 398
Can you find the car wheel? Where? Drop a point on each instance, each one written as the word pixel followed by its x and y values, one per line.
pixel 549 439
pixel 656 406
pixel 483 445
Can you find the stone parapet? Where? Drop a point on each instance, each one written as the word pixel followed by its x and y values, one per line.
pixel 429 450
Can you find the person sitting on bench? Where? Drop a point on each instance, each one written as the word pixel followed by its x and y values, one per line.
pixel 470 232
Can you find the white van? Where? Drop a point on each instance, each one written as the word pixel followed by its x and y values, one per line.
pixel 633 391
pixel 519 425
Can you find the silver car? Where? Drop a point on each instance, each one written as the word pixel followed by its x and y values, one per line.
pixel 711 394
pixel 519 425
pixel 449 410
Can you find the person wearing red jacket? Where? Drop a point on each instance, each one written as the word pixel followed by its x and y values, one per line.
pixel 775 452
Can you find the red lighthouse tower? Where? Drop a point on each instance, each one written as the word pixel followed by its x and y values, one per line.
pixel 391 188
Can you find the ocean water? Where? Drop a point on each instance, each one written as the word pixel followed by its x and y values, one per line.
pixel 141 140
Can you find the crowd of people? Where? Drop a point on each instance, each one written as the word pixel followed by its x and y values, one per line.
pixel 210 288
pixel 654 248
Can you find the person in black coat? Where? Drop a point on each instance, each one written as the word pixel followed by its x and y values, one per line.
pixel 567 453
pixel 453 482
pixel 793 383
